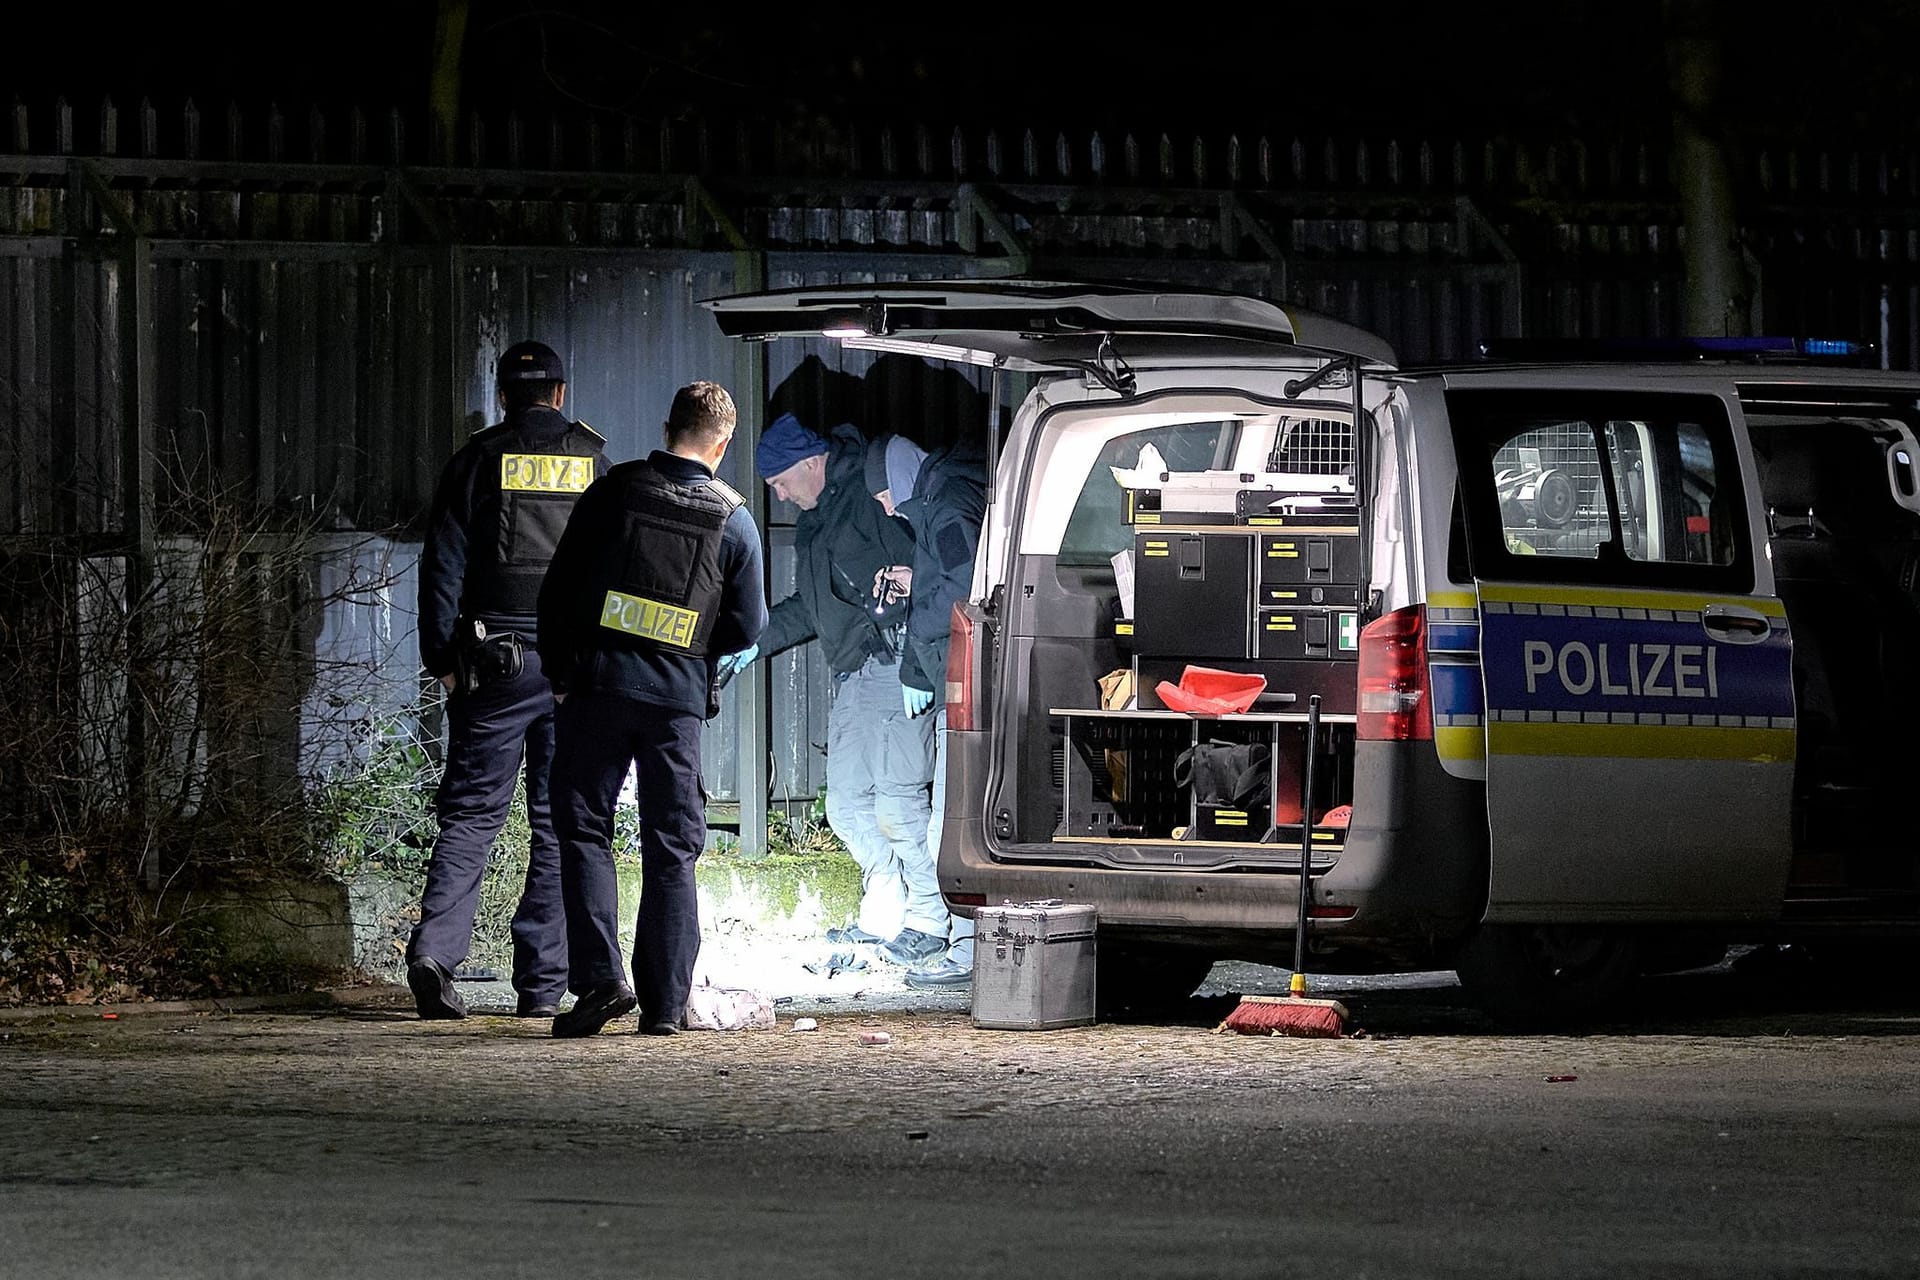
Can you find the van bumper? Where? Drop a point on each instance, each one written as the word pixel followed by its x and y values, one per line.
pixel 1413 870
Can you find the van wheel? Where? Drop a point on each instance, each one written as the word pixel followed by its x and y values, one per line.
pixel 1541 976
pixel 1145 979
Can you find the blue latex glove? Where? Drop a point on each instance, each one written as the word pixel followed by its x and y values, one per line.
pixel 915 700
pixel 729 665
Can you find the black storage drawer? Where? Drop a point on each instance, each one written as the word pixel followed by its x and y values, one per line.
pixel 1290 595
pixel 1327 634
pixel 1302 556
pixel 1227 822
pixel 1193 594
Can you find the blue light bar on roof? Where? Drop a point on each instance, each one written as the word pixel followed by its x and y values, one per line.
pixel 1660 350
pixel 1832 347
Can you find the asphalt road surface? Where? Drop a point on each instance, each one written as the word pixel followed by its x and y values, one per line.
pixel 1736 1126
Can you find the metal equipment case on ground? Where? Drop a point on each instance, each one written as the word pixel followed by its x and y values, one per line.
pixel 1033 966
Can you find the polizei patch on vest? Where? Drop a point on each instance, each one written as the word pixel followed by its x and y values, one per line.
pixel 639 616
pixel 545 473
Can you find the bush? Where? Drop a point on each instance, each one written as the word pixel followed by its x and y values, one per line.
pixel 151 755
pixel 79 927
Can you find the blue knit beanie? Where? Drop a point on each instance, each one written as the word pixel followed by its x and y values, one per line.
pixel 784 443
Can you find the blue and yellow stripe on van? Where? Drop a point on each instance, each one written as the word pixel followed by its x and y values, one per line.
pixel 1593 671
pixel 1453 677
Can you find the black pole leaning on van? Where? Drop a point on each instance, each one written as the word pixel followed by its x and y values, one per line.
pixel 1361 505
pixel 1306 838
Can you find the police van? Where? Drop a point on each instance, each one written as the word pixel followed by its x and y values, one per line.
pixel 1610 663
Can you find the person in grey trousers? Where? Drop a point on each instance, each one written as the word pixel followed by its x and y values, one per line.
pixel 879 757
pixel 943 498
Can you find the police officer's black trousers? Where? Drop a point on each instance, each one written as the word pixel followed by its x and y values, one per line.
pixel 599 737
pixel 490 731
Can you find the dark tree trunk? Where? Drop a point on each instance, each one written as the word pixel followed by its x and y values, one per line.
pixel 443 92
pixel 1719 289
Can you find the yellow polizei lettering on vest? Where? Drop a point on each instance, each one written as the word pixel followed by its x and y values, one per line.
pixel 545 473
pixel 651 619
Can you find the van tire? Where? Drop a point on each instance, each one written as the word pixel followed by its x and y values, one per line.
pixel 1141 978
pixel 1545 976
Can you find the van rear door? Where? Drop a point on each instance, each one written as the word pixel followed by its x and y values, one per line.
pixel 1637 666
pixel 1030 326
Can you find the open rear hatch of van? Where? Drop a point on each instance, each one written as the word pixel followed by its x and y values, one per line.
pixel 1031 326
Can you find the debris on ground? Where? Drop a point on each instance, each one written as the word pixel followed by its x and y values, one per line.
pixel 836 963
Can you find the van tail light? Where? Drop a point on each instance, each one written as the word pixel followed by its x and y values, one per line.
pixel 960 669
pixel 1394 706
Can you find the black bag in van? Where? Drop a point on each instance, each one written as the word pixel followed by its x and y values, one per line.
pixel 1224 773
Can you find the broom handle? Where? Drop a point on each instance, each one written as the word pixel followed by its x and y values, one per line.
pixel 1298 985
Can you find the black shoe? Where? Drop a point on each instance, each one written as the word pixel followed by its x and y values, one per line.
pixel 913 948
pixel 432 985
pixel 853 933
pixel 660 1029
pixel 535 1007
pixel 944 974
pixel 594 1010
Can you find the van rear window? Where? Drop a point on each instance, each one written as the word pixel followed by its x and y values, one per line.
pixel 1098 527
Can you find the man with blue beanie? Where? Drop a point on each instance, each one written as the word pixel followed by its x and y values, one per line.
pixel 943 497
pixel 879 758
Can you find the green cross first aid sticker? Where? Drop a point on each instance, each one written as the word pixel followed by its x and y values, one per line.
pixel 650 619
pixel 1349 631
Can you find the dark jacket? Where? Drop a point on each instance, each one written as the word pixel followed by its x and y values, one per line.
pixel 949 503
pixel 838 547
pixel 454 542
pixel 579 656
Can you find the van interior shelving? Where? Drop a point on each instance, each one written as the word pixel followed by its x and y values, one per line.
pixel 1230 542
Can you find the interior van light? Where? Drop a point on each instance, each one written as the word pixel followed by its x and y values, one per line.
pixel 864 320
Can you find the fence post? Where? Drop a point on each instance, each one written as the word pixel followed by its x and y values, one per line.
pixel 752 688
pixel 137 482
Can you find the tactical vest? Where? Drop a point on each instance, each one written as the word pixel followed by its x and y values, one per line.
pixel 521 502
pixel 661 581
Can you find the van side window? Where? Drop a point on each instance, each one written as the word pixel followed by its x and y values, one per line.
pixel 1668 478
pixel 1637 488
pixel 1552 502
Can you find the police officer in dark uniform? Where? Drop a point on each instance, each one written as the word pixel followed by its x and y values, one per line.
pixel 496 520
pixel 659 572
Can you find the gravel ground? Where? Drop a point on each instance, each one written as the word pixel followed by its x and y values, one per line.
pixel 1733 1131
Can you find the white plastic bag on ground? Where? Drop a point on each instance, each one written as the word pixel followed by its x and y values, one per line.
pixel 714 1008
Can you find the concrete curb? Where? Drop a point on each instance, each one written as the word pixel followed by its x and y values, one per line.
pixel 369 997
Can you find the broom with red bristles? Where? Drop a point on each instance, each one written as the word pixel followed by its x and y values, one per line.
pixel 1294 1014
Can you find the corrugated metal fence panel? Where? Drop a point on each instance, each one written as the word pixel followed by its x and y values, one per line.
pixel 629 334
pixel 365 663
pixel 305 385
pixel 60 399
pixel 30 350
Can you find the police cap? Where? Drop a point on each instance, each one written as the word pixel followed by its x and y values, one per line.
pixel 529 362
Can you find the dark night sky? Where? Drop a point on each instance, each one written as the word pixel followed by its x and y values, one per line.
pixel 1504 67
